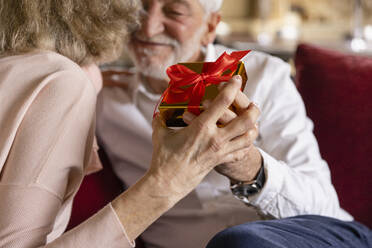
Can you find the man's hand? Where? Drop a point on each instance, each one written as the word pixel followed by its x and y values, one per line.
pixel 246 168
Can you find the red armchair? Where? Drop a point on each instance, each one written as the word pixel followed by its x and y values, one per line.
pixel 337 91
pixel 96 190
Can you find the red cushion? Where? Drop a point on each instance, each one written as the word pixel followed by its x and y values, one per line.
pixel 337 91
pixel 96 190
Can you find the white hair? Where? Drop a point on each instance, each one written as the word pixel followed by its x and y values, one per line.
pixel 211 6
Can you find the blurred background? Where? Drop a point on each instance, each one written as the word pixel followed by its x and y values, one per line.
pixel 277 26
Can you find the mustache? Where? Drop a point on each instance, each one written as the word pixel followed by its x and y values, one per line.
pixel 160 38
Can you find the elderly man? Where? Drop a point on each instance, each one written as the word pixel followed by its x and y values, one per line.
pixel 282 175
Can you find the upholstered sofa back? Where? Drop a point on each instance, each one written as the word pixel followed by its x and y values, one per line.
pixel 337 91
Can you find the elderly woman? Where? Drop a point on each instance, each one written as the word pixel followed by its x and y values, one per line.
pixel 47 115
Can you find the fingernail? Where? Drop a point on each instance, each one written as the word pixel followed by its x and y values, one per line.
pixel 238 77
pixel 256 104
pixel 188 117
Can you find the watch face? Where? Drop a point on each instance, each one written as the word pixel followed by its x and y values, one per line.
pixel 243 192
pixel 245 189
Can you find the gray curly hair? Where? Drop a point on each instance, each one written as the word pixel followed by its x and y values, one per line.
pixel 85 31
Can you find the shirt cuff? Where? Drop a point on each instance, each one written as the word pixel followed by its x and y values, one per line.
pixel 274 173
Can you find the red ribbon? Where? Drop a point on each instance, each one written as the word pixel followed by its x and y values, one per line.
pixel 186 84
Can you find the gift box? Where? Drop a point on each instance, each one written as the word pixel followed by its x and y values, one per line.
pixel 192 83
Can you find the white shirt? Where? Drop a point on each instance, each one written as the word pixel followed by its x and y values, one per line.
pixel 298 179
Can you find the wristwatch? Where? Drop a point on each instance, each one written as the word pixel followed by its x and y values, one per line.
pixel 243 190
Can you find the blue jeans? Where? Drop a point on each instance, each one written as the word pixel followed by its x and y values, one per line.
pixel 308 231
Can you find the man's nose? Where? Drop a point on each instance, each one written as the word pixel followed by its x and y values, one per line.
pixel 153 21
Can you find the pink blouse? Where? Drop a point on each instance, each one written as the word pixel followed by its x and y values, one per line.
pixel 47 121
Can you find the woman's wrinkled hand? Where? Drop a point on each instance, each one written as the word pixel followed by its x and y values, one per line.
pixel 182 158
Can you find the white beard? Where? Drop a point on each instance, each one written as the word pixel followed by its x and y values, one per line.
pixel 181 54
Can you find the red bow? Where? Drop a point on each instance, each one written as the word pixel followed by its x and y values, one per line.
pixel 186 84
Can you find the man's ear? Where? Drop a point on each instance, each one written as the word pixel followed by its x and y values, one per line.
pixel 210 34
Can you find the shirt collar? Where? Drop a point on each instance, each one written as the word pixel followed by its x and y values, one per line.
pixel 210 54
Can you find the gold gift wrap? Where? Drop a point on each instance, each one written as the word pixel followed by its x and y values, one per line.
pixel 172 113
